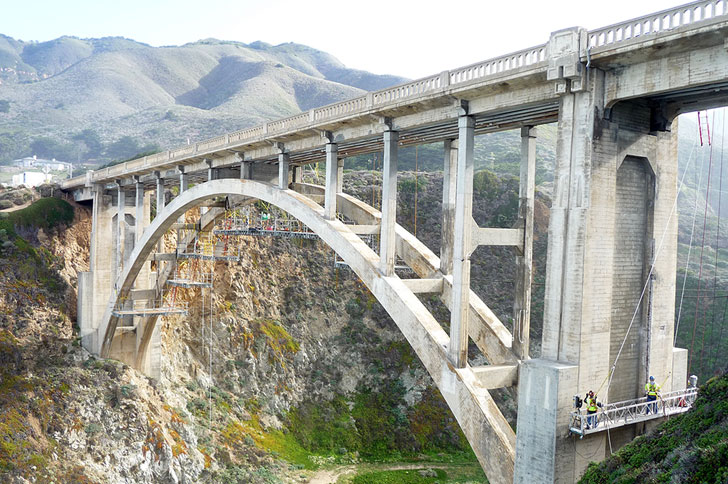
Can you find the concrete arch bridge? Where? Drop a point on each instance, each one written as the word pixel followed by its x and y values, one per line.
pixel 614 93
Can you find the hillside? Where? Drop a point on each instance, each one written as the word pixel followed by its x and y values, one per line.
pixel 690 448
pixel 69 98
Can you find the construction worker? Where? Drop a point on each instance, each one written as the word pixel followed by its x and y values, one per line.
pixel 592 406
pixel 652 390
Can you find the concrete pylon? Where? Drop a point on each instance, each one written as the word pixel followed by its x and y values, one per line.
pixel 524 261
pixel 608 224
pixel 332 180
pixel 387 237
pixel 450 166
pixel 461 243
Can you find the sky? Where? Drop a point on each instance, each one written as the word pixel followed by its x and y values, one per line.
pixel 406 38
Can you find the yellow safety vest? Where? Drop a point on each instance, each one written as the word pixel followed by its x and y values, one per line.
pixel 651 389
pixel 591 404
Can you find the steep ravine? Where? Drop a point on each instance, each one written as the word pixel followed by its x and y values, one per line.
pixel 307 368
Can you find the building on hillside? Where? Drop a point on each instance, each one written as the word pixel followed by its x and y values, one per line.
pixel 34 162
pixel 31 178
pixel 43 164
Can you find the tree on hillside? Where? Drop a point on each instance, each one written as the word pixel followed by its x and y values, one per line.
pixel 126 147
pixel 50 148
pixel 92 141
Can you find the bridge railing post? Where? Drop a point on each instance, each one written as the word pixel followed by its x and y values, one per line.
pixel 387 236
pixel 461 242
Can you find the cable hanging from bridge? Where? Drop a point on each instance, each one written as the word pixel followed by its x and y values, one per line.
pixel 690 245
pixel 717 250
pixel 610 374
pixel 702 251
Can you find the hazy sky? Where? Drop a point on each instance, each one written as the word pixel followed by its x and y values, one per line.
pixel 412 39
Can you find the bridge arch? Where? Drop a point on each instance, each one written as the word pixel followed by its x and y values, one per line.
pixel 489 434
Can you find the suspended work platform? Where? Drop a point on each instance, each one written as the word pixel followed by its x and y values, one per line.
pixel 150 308
pixel 274 224
pixel 207 247
pixel 615 415
pixel 185 280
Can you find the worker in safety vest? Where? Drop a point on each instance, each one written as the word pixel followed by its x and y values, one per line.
pixel 592 406
pixel 652 390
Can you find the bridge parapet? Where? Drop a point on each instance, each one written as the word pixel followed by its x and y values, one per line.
pixel 497 65
pixel 658 23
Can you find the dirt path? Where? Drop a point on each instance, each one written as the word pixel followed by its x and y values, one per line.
pixel 18 207
pixel 331 476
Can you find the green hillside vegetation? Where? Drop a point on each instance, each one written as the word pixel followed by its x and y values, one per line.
pixel 690 448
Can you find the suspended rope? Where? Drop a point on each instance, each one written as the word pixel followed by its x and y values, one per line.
pixel 690 245
pixel 719 341
pixel 610 375
pixel 717 250
pixel 702 251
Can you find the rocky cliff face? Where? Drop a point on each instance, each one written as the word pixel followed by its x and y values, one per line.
pixel 290 364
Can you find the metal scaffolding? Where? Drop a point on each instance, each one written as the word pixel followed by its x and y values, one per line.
pixel 208 246
pixel 272 223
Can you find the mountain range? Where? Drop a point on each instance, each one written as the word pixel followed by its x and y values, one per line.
pixel 161 96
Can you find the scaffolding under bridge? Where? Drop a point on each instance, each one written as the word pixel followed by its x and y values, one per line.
pixel 615 415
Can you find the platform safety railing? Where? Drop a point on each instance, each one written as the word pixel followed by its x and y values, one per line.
pixel 619 414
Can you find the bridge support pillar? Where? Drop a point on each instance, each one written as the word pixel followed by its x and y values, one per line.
pixel 339 175
pixel 94 287
pixel 284 170
pixel 246 170
pixel 332 180
pixel 183 179
pixel 160 203
pixel 140 219
pixel 387 238
pixel 609 222
pixel 120 224
pixel 448 204
pixel 524 261
pixel 461 243
pixel 545 389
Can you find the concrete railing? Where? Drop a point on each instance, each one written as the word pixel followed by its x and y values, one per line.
pixel 407 91
pixel 664 21
pixel 344 108
pixel 247 134
pixel 523 58
pixel 658 22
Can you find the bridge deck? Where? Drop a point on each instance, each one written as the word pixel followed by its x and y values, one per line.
pixel 432 97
